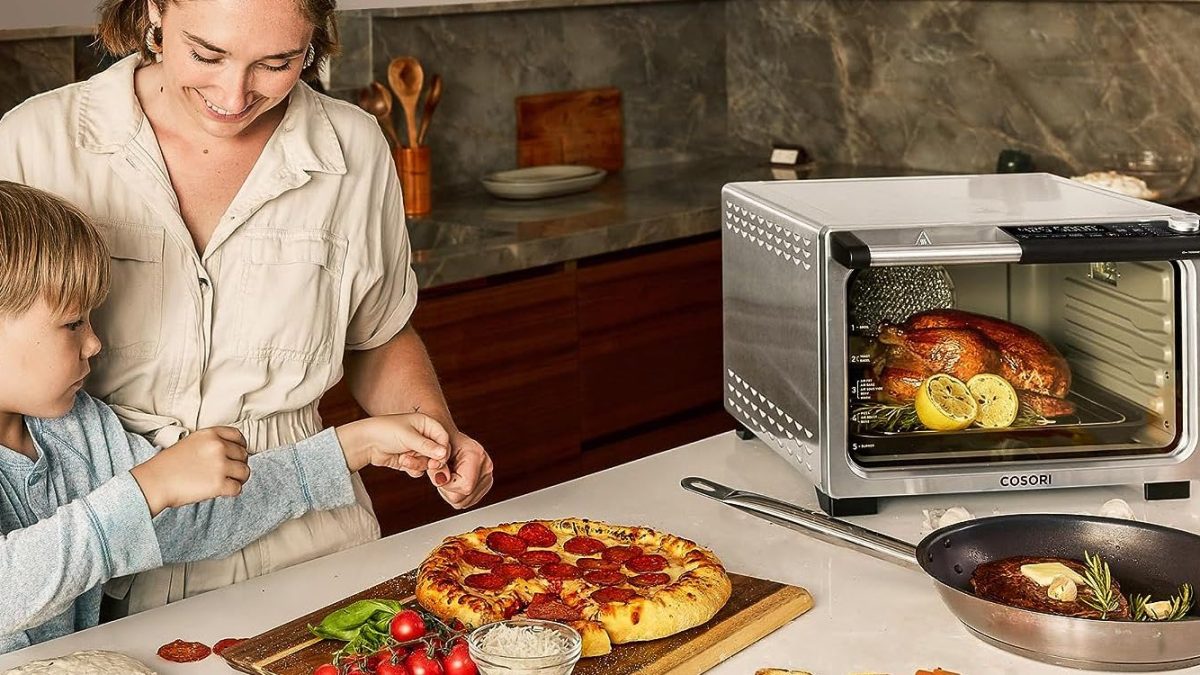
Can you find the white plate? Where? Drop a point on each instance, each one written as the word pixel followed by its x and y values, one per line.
pixel 540 190
pixel 543 174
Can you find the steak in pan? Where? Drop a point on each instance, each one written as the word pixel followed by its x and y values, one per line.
pixel 1001 581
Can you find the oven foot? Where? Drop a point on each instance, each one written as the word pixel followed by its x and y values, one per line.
pixel 1177 490
pixel 848 506
pixel 743 433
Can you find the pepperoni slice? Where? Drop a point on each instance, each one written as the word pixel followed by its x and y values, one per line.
pixel 584 546
pixel 515 571
pixel 488 581
pixel 537 534
pixel 508 544
pixel 604 577
pixel 538 558
pixel 647 563
pixel 482 560
pixel 612 594
pixel 620 554
pixel 222 645
pixel 551 610
pixel 651 579
pixel 184 652
pixel 560 571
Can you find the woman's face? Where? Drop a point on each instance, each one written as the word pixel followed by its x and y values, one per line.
pixel 229 61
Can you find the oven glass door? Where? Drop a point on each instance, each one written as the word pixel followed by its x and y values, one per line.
pixel 996 362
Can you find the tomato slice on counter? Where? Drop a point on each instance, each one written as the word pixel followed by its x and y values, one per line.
pixel 181 651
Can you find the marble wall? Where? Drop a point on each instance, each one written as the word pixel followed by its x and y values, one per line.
pixel 936 84
pixel 927 84
pixel 667 58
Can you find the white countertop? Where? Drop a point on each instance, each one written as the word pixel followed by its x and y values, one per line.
pixel 869 615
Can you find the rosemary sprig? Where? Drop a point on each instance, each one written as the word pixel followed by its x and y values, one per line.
pixel 1181 604
pixel 902 417
pixel 1098 578
pixel 888 417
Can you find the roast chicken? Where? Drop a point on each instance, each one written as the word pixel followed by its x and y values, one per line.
pixel 964 344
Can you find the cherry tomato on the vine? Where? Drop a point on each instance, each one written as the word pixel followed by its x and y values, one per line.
pixel 388 668
pixel 420 663
pixel 458 661
pixel 407 625
pixel 325 669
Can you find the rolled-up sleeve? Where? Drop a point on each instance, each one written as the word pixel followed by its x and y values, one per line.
pixel 386 294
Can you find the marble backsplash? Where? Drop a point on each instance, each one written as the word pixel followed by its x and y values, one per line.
pixel 667 58
pixel 941 85
pixel 937 85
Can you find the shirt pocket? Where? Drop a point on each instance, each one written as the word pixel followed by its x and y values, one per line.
pixel 290 286
pixel 129 321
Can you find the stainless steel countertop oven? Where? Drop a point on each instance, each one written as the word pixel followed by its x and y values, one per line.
pixel 917 335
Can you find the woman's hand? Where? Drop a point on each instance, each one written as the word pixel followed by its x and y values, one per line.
pixel 470 473
pixel 208 463
pixel 412 442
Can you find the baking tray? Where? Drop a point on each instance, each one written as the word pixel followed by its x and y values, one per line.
pixel 1103 424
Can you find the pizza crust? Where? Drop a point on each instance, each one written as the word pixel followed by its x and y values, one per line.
pixel 697 589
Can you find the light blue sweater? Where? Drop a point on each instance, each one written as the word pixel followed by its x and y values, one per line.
pixel 76 517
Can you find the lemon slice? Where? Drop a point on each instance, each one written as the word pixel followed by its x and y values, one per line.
pixel 998 404
pixel 945 404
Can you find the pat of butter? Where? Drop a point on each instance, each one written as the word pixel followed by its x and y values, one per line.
pixel 1063 589
pixel 1043 574
pixel 1159 610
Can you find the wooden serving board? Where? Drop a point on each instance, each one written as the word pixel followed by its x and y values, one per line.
pixel 756 608
pixel 571 127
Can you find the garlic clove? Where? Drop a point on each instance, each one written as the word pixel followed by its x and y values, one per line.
pixel 1063 588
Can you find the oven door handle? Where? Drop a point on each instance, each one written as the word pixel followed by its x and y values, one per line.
pixel 854 253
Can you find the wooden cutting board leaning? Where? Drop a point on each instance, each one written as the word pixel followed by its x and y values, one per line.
pixel 756 608
pixel 571 127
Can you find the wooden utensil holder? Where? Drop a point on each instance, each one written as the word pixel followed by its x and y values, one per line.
pixel 413 165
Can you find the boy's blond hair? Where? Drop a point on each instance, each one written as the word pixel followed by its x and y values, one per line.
pixel 49 250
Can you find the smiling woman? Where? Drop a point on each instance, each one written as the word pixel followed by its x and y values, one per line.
pixel 258 251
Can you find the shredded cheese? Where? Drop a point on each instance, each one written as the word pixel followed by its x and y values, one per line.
pixel 523 642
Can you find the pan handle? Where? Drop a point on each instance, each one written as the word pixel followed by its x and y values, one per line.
pixel 827 529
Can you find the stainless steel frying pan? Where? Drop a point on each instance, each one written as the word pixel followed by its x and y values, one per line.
pixel 1144 558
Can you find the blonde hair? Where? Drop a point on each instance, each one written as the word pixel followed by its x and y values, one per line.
pixel 48 250
pixel 124 24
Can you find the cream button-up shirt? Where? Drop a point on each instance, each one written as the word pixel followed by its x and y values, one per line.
pixel 310 259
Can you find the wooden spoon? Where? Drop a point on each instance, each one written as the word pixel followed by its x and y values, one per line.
pixel 431 102
pixel 377 100
pixel 406 77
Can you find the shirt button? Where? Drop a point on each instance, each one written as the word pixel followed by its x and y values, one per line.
pixel 203 283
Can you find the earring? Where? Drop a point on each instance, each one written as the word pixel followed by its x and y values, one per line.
pixel 310 56
pixel 154 39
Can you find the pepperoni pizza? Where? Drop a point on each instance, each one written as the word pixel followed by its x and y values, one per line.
pixel 613 583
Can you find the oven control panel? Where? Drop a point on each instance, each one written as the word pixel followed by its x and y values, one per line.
pixel 1169 237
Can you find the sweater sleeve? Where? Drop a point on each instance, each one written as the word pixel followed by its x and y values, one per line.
pixel 46 566
pixel 284 483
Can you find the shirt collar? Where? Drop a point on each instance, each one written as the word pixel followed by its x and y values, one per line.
pixel 108 117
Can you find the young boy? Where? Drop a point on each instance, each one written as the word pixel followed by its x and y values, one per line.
pixel 81 500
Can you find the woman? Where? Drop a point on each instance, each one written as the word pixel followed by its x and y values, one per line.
pixel 257 238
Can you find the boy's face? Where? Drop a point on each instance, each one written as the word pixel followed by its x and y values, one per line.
pixel 44 360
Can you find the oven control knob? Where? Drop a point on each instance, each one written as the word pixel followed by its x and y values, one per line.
pixel 1188 223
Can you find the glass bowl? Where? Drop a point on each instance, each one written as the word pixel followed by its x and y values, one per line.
pixel 1165 174
pixel 500 664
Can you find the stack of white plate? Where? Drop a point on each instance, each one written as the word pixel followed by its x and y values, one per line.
pixel 536 182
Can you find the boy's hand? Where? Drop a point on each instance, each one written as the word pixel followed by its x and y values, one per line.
pixel 208 463
pixel 410 442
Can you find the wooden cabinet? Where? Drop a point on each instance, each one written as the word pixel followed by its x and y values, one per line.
pixel 649 336
pixel 567 370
